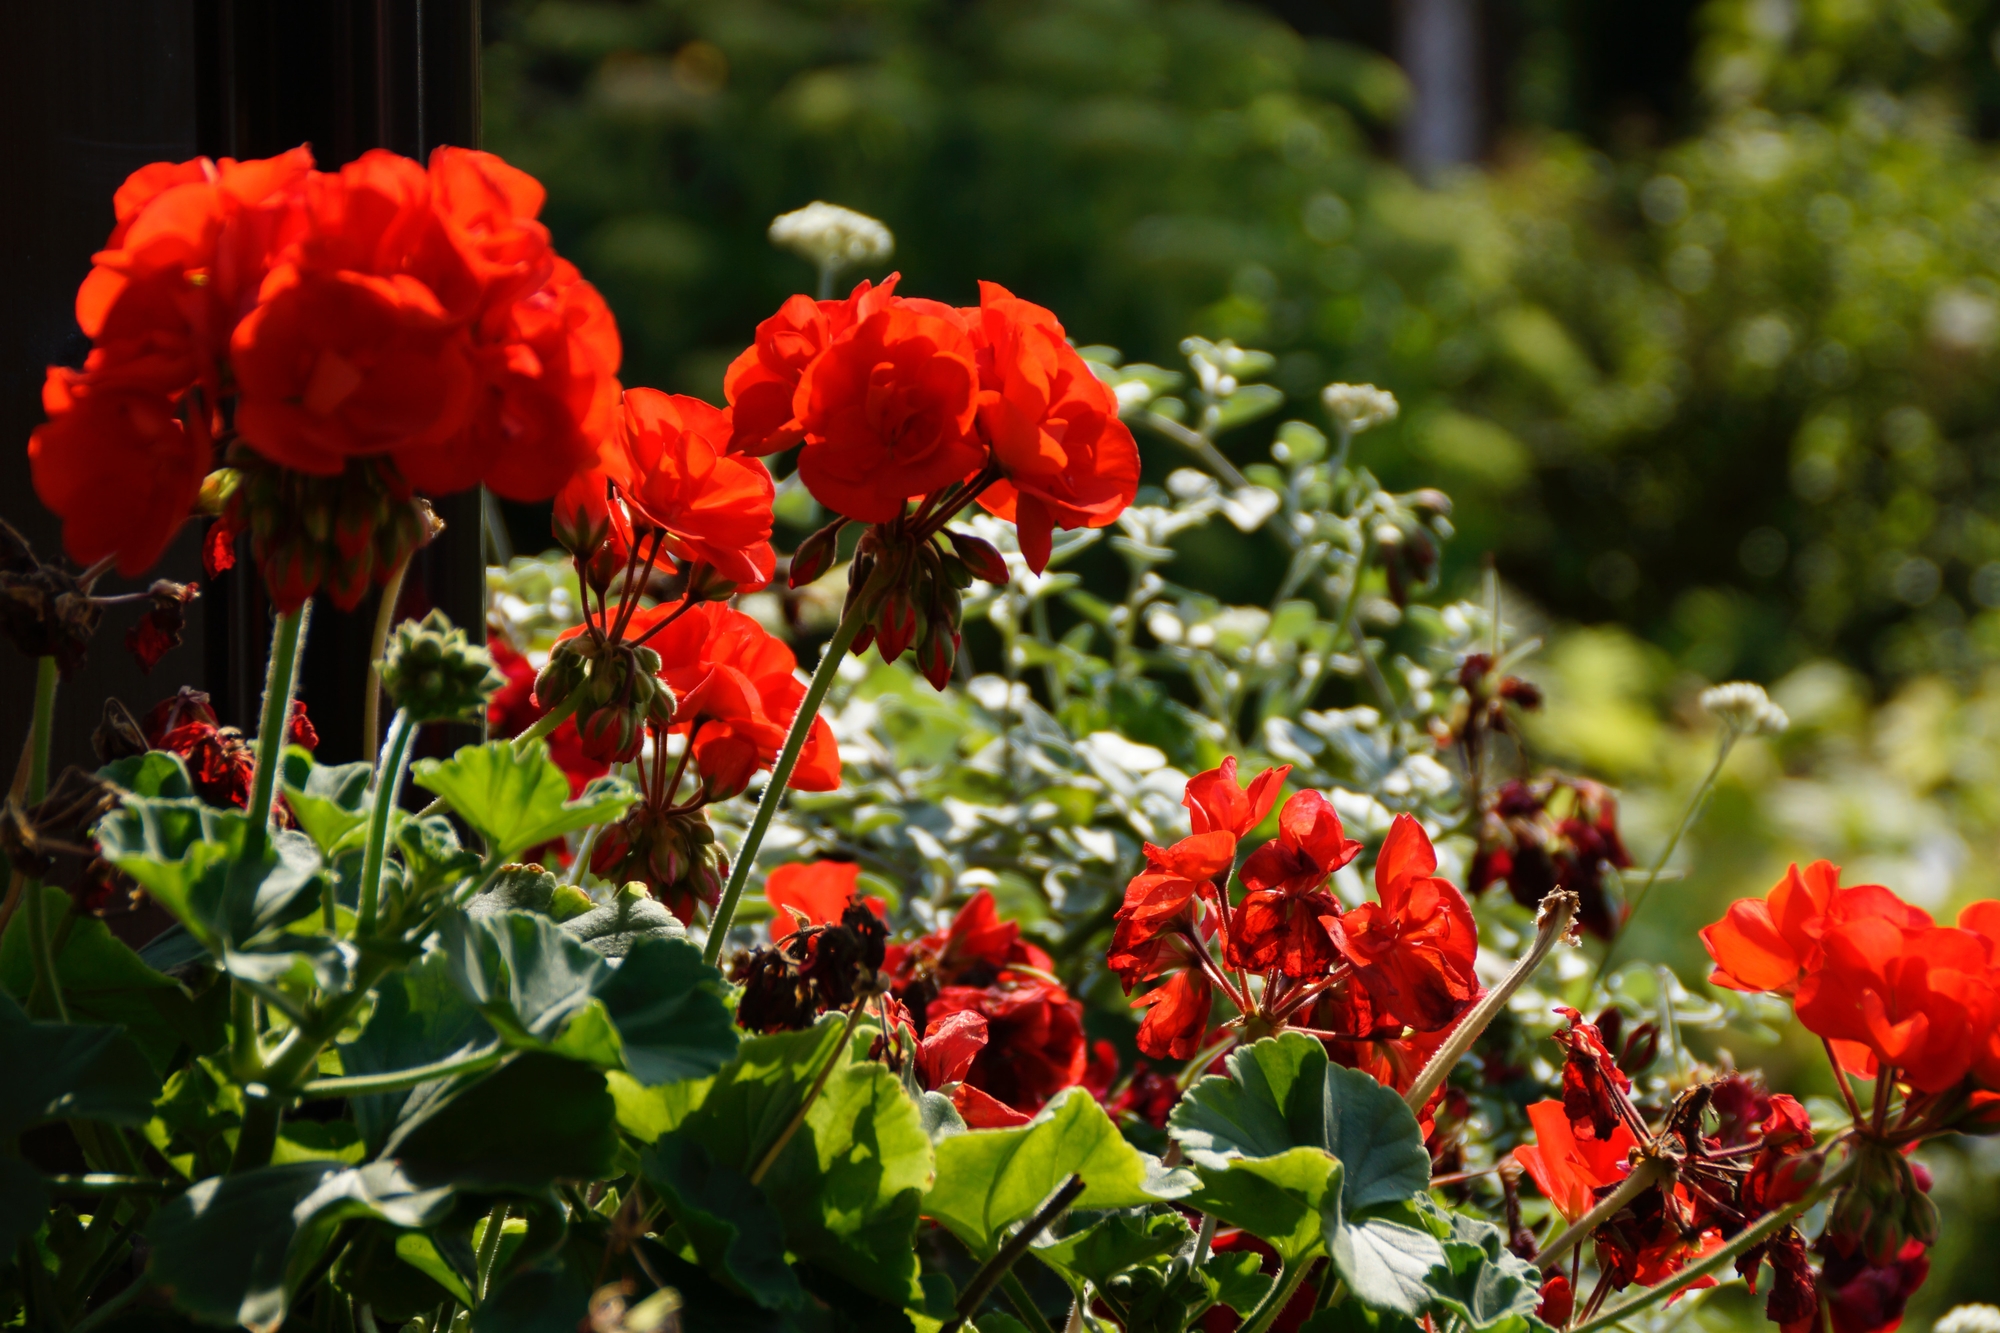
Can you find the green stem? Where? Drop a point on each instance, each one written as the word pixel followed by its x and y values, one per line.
pixel 108 1311
pixel 781 772
pixel 378 643
pixel 364 1085
pixel 258 1137
pixel 388 787
pixel 1553 919
pixel 1024 1303
pixel 1729 738
pixel 812 1094
pixel 93 1184
pixel 489 1251
pixel 279 684
pixel 1649 1172
pixel 996 1268
pixel 39 738
pixel 549 721
pixel 1716 1260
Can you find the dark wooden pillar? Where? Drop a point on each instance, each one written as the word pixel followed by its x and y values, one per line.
pixel 344 76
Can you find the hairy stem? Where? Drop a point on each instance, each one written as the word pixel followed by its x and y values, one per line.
pixel 1004 1258
pixel 857 615
pixel 1649 1172
pixel 489 1251
pixel 378 643
pixel 365 1085
pixel 1558 909
pixel 1730 736
pixel 1716 1260
pixel 549 721
pixel 388 787
pixel 282 679
pixel 40 733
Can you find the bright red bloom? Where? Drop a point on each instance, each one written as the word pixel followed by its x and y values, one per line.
pixel 739 690
pixel 1176 1013
pixel 760 384
pixel 1922 1001
pixel 1769 943
pixel 1066 459
pixel 117 466
pixel 1413 950
pixel 669 460
pixel 1035 1045
pixel 1163 898
pixel 981 1110
pixel 1569 1171
pixel 819 891
pixel 1558 1301
pixel 888 411
pixel 1214 801
pixel 976 948
pixel 1280 922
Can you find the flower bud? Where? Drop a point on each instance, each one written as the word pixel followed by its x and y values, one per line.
pixel 216 488
pixel 982 557
pixel 1359 407
pixel 567 669
pixel 936 656
pixel 816 555
pixel 436 674
pixel 612 734
pixel 896 624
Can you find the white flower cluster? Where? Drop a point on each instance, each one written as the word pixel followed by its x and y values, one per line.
pixel 831 236
pixel 1746 709
pixel 1359 407
pixel 1970 1319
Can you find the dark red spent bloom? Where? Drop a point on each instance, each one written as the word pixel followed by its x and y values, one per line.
pixel 1556 831
pixel 1280 922
pixel 1414 949
pixel 159 630
pixel 1861 1297
pixel 1149 1096
pixel 1595 1089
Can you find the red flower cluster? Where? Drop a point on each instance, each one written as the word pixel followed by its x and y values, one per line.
pixel 1874 976
pixel 896 398
pixel 412 320
pixel 1404 962
pixel 815 893
pixel 981 965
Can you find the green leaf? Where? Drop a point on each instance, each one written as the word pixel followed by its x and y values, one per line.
pixel 420 1252
pixel 1240 1282
pixel 987 1180
pixel 1386 1265
pixel 1483 1282
pixel 432 854
pixel 515 801
pixel 668 1007
pixel 420 1017
pixel 616 928
pixel 517 888
pixel 521 971
pixel 1282 1093
pixel 104 981
pixel 1101 1244
pixel 56 1071
pixel 1157 1301
pixel 24 1199
pixel 191 859
pixel 849 1183
pixel 154 773
pixel 647 1113
pixel 330 801
pixel 233 1249
pixel 1278 1199
pixel 731 1225
pixel 534 1120
pixel 1247 404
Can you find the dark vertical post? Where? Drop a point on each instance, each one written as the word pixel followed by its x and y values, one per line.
pixel 344 76
pixel 90 90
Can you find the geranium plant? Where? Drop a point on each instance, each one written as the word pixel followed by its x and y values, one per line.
pixel 1046 990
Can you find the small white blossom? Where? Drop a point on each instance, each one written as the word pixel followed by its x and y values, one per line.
pixel 1359 407
pixel 1970 1319
pixel 831 236
pixel 1744 707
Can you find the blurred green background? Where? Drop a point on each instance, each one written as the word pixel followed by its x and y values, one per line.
pixel 1700 333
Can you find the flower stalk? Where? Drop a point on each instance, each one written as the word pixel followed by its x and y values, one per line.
pixel 1558 910
pixel 1649 1172
pixel 279 685
pixel 40 735
pixel 994 1269
pixel 388 787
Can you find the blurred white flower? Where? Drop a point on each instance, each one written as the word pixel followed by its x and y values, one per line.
pixel 831 236
pixel 1970 1319
pixel 1744 707
pixel 1359 407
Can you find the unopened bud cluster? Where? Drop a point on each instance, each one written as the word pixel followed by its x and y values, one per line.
pixel 341 533
pixel 673 853
pixel 618 691
pixel 918 587
pixel 435 673
pixel 1745 708
pixel 1359 407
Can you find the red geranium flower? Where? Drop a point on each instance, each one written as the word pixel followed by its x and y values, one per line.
pixel 818 891
pixel 1280 922
pixel 1921 1001
pixel 888 411
pixel 1568 1170
pixel 1066 459
pixel 1035 1046
pixel 1214 801
pixel 1177 1012
pixel 759 385
pixel 1414 950
pixel 1768 944
pixel 1163 898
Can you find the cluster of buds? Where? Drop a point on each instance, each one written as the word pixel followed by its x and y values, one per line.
pixel 617 690
pixel 1407 547
pixel 342 533
pixel 918 585
pixel 1885 1206
pixel 790 982
pixel 672 853
pixel 435 673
